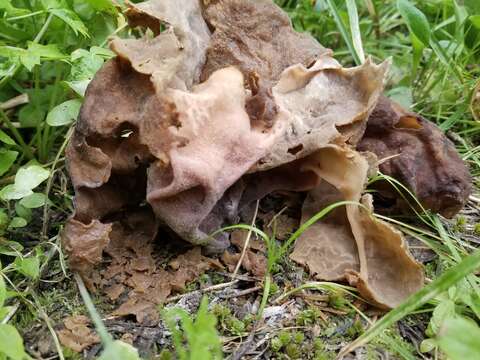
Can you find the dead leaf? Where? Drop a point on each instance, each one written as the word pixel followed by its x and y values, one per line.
pixel 76 335
pixel 282 226
pixel 238 238
pixel 114 291
pixel 85 243
pixel 143 309
pixel 254 263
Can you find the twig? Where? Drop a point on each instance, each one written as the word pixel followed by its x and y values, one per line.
pixel 202 291
pixel 474 199
pixel 14 102
pixel 242 293
pixel 239 277
pixel 247 241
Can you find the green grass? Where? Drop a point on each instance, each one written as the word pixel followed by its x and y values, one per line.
pixel 50 50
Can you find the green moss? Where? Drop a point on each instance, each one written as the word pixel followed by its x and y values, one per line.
pixel 273 288
pixel 337 300
pixel 461 221
pixel 276 344
pixel 356 329
pixel 293 351
pixel 298 337
pixel 307 317
pixel 165 355
pixel 285 337
pixel 476 229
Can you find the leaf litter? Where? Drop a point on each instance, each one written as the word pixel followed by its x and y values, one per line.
pixel 181 134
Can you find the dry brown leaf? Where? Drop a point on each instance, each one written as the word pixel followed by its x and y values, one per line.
pixel 85 243
pixel 254 263
pixel 282 226
pixel 238 238
pixel 76 335
pixel 142 308
pixel 113 292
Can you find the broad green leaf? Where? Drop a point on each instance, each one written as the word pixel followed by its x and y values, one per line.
pixel 29 60
pixel 459 339
pixel 6 139
pixel 118 350
pixel 4 312
pixel 33 55
pixel 416 21
pixel 80 86
pixel 28 266
pixel 11 343
pixel 65 113
pixel 30 115
pixel 7 159
pixel 475 19
pixel 79 53
pixel 201 334
pixel 444 310
pixel 85 65
pixel 26 179
pixel 11 52
pixel 427 345
pixel 418 47
pixel 10 192
pixel 23 212
pixel 48 52
pixel 33 201
pixel 17 222
pixel 54 4
pixel 30 177
pixel 72 20
pixel 10 248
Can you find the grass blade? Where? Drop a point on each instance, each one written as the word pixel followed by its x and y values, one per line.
pixel 343 30
pixel 439 285
pixel 355 29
